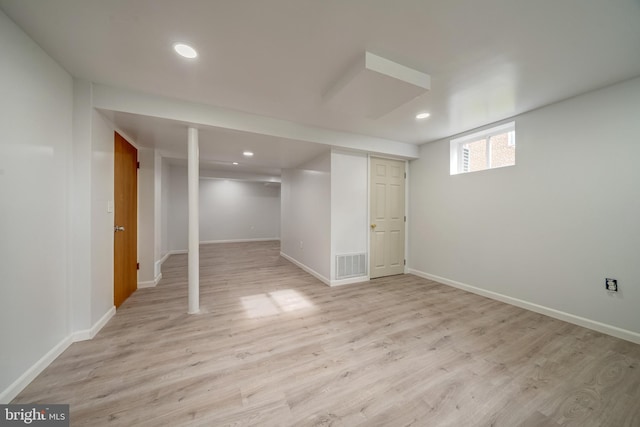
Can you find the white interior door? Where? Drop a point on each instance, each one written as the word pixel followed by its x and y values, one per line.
pixel 387 217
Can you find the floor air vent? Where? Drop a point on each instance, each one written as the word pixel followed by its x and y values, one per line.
pixel 350 265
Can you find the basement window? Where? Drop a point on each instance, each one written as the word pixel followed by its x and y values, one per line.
pixel 488 149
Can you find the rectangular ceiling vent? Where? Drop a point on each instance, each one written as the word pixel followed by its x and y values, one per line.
pixel 351 265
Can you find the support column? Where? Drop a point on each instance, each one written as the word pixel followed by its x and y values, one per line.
pixel 194 229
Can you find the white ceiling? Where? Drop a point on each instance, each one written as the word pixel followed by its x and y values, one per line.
pixel 488 60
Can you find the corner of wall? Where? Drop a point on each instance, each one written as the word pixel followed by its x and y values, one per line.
pixel 306 268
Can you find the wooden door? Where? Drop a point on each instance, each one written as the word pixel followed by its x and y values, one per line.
pixel 125 240
pixel 387 217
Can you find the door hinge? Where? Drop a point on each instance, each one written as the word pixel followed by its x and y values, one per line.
pixel 137 165
pixel 405 175
pixel 137 266
pixel 405 218
pixel 405 262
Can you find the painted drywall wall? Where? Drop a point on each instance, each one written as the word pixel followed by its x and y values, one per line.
pixel 80 202
pixel 349 198
pixel 146 216
pixel 229 210
pixel 306 215
pixel 35 166
pixel 177 202
pixel 239 210
pixel 102 199
pixel 549 230
pixel 165 212
pixel 157 213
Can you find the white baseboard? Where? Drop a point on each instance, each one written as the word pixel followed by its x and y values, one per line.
pixel 157 268
pixel 151 283
pixel 176 252
pixel 211 242
pixel 164 258
pixel 23 381
pixel 349 281
pixel 556 314
pixel 88 334
pixel 320 277
pixel 263 239
pixel 307 269
pixel 103 321
pixel 18 385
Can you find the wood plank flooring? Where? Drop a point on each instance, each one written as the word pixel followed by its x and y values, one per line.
pixel 275 347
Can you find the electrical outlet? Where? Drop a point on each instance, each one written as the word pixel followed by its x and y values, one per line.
pixel 611 285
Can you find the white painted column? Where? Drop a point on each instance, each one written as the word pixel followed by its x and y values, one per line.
pixel 194 229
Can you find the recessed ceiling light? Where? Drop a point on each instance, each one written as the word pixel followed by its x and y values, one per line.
pixel 185 50
pixel 235 163
pixel 247 153
pixel 421 116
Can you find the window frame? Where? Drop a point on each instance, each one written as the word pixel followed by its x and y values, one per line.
pixel 457 158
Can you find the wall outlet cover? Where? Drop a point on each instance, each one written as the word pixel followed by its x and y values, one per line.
pixel 611 285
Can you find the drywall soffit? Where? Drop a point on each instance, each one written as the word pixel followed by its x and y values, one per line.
pixel 375 86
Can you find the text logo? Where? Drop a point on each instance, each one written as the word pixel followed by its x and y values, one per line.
pixel 34 415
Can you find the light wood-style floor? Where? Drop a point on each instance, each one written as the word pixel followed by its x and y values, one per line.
pixel 275 347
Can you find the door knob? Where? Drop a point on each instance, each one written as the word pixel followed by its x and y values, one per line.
pixel 118 228
pixel 373 226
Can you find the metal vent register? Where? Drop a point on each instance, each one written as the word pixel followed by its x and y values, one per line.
pixel 351 265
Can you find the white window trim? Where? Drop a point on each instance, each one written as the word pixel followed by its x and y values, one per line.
pixel 456 158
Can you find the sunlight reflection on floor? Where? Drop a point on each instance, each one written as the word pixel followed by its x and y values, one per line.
pixel 273 303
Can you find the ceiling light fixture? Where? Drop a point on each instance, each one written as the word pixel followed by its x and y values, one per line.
pixel 185 50
pixel 235 163
pixel 421 116
pixel 247 153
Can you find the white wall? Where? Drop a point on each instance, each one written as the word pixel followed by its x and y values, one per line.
pixel 101 220
pixel 157 213
pixel 146 216
pixel 229 210
pixel 164 208
pixel 349 205
pixel 177 206
pixel 232 210
pixel 551 229
pixel 91 285
pixel 306 216
pixel 35 165
pixel 80 205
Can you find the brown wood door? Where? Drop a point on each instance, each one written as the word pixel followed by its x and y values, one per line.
pixel 125 240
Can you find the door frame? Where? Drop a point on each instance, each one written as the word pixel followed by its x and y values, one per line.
pixel 406 210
